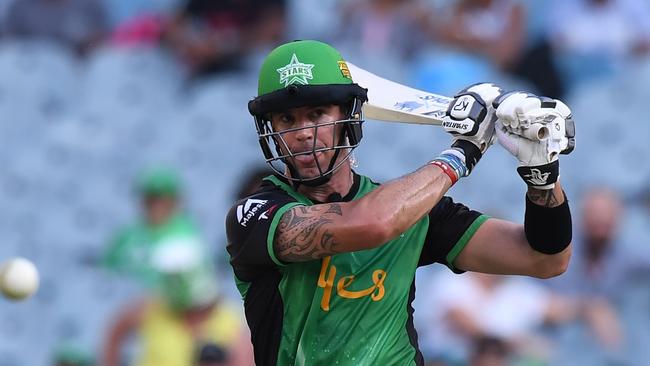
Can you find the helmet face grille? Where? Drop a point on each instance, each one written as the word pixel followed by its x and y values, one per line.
pixel 278 154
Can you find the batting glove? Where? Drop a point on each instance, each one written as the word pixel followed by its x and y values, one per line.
pixel 536 130
pixel 470 119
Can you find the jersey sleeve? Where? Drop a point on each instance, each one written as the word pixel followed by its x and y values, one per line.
pixel 451 226
pixel 250 228
pixel 114 255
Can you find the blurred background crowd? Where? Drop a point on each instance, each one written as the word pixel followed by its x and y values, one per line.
pixel 124 138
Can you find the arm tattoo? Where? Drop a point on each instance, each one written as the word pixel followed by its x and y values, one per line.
pixel 543 197
pixel 302 234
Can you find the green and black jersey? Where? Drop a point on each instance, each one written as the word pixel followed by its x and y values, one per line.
pixel 347 309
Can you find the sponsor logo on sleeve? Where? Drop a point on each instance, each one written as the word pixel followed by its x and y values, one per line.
pixel 265 215
pixel 249 209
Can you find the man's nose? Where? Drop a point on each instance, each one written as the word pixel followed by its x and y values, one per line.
pixel 306 130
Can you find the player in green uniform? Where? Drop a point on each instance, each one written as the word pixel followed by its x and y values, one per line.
pixel 163 223
pixel 325 258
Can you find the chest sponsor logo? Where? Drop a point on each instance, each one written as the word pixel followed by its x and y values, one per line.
pixel 249 209
pixel 327 278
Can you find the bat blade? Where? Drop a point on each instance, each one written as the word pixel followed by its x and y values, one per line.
pixel 393 102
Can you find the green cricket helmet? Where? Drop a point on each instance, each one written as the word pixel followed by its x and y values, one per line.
pixel 159 181
pixel 300 74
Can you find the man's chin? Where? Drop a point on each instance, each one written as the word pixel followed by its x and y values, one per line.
pixel 308 166
pixel 309 172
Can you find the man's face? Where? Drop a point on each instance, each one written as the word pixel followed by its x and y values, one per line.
pixel 312 133
pixel 159 209
pixel 601 211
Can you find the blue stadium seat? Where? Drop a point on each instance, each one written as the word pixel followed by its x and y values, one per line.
pixel 75 133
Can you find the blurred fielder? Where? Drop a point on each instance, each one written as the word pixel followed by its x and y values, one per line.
pixel 325 258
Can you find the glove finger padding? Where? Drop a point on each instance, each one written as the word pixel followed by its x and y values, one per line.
pixel 536 130
pixel 537 141
pixel 563 128
pixel 465 114
pixel 527 151
pixel 536 118
pixel 511 105
pixel 471 117
pixel 507 140
pixel 538 163
pixel 569 128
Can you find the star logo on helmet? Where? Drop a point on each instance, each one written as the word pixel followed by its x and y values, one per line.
pixel 295 72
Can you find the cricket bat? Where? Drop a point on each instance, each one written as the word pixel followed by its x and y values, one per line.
pixel 394 102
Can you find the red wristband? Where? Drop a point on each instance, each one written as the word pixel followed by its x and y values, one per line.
pixel 447 169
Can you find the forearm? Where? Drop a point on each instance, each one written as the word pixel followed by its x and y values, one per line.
pixel 546 197
pixel 124 325
pixel 311 232
pixel 400 203
pixel 405 200
pixel 242 353
pixel 112 348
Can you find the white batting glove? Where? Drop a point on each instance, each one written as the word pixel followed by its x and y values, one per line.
pixel 470 119
pixel 535 130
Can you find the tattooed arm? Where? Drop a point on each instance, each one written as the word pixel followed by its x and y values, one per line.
pixel 303 233
pixel 546 197
pixel 311 232
pixel 502 247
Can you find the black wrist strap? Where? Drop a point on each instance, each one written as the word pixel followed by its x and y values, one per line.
pixel 540 175
pixel 471 152
pixel 548 229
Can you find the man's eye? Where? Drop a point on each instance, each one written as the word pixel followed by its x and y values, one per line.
pixel 317 113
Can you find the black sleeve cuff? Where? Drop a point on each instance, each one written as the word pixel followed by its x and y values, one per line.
pixel 548 229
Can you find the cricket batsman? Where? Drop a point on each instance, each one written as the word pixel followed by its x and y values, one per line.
pixel 325 258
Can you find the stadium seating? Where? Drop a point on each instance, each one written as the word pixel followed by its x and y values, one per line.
pixel 75 133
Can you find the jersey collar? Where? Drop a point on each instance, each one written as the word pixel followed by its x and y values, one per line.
pixel 284 184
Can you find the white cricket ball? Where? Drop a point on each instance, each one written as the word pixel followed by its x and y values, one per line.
pixel 18 278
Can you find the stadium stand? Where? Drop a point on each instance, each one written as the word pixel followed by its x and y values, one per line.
pixel 74 132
